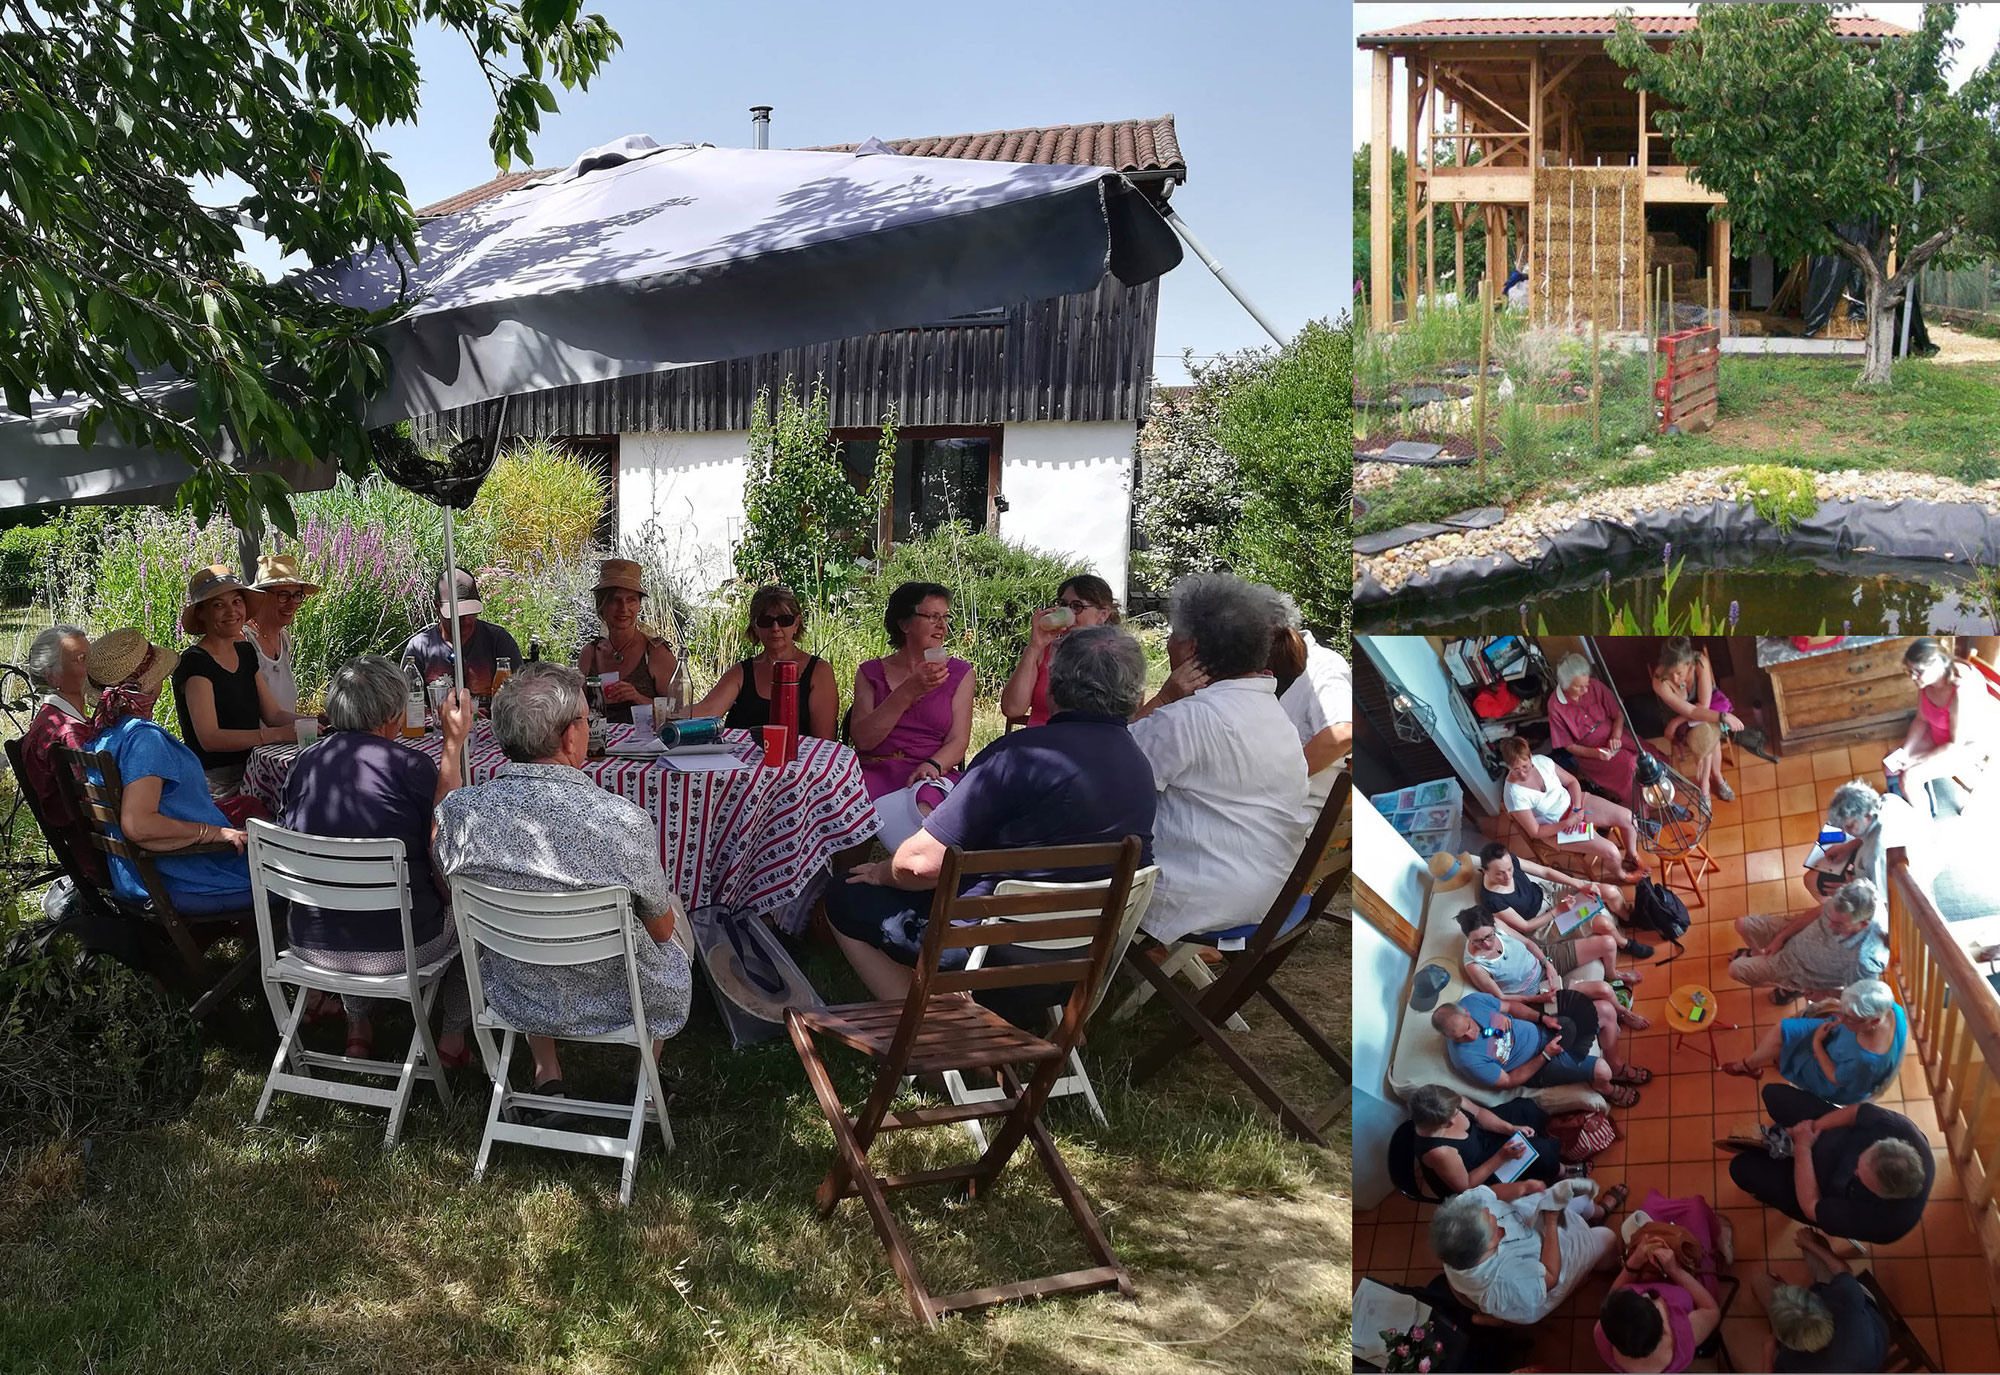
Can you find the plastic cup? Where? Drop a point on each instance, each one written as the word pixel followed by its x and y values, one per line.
pixel 936 656
pixel 642 718
pixel 307 730
pixel 1059 618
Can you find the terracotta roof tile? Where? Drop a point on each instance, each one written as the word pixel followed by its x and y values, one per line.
pixel 1590 26
pixel 1129 145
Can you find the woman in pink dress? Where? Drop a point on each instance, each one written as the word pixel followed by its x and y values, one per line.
pixel 1684 681
pixel 912 718
pixel 1585 719
pixel 1953 729
pixel 1647 1325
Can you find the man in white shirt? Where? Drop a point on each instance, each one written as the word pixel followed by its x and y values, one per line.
pixel 1517 1261
pixel 1320 703
pixel 1226 760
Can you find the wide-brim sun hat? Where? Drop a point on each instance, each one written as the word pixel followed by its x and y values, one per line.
pixel 281 570
pixel 1452 870
pixel 618 575
pixel 209 583
pixel 120 657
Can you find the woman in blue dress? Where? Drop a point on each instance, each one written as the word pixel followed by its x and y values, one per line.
pixel 1844 1057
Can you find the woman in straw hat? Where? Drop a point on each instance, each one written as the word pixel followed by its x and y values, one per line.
pixel 226 708
pixel 742 696
pixel 282 592
pixel 166 804
pixel 644 662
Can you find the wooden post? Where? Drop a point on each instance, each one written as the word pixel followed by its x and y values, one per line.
pixel 1667 303
pixel 1722 260
pixel 1411 111
pixel 1708 289
pixel 1531 253
pixel 1479 390
pixel 1381 211
pixel 1430 183
pixel 1596 392
pixel 1458 233
pixel 1645 145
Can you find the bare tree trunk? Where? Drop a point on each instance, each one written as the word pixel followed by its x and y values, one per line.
pixel 1881 350
pixel 1885 293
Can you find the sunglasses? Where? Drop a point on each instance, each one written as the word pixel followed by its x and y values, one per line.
pixel 786 619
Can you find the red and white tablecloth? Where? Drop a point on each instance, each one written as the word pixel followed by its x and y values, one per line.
pixel 757 838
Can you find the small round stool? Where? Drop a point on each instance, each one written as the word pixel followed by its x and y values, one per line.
pixel 1679 1003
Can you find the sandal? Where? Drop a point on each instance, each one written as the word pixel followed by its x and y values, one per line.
pixel 360 1047
pixel 448 1060
pixel 1613 1198
pixel 1635 1075
pixel 322 1007
pixel 1635 975
pixel 1742 1070
pixel 1621 1095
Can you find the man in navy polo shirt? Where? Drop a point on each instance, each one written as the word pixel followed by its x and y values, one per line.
pixel 1079 780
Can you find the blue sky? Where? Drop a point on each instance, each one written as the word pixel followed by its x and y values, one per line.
pixel 1254 88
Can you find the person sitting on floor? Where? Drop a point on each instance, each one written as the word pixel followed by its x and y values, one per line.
pixel 1818 950
pixel 57 661
pixel 1500 1043
pixel 1874 824
pixel 541 825
pixel 1226 761
pixel 1518 1261
pixel 166 804
pixel 1079 780
pixel 1684 683
pixel 1954 729
pixel 1586 720
pixel 1506 966
pixel 1545 800
pixel 1844 1055
pixel 1833 1326
pixel 1524 896
pixel 362 784
pixel 1460 1144
pixel 1648 1325
pixel 1860 1172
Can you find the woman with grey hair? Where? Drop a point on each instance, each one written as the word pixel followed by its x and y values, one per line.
pixel 362 783
pixel 1226 761
pixel 57 662
pixel 1843 1053
pixel 1819 950
pixel 1586 720
pixel 1833 1326
pixel 1874 823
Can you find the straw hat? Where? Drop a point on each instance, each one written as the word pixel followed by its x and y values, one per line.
pixel 619 574
pixel 730 980
pixel 281 570
pixel 212 582
pixel 1452 871
pixel 121 656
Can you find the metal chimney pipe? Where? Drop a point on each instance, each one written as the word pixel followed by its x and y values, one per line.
pixel 760 126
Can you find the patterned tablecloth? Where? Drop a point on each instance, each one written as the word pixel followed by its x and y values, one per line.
pixel 758 838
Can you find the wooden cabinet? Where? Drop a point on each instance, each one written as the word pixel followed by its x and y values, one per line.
pixel 1843 696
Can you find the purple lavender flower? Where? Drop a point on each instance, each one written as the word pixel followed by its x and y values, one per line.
pixel 1667 555
pixel 1846 626
pixel 1735 612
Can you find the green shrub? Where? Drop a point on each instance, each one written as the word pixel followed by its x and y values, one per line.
pixel 1783 496
pixel 89 1046
pixel 540 504
pixel 805 524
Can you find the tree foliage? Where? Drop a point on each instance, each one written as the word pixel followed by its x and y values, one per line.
pixel 137 141
pixel 1818 143
pixel 1444 260
pixel 805 522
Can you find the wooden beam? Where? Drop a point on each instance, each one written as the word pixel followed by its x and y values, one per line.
pixel 1722 273
pixel 1456 83
pixel 1476 185
pixel 1534 167
pixel 1381 213
pixel 1673 186
pixel 1430 202
pixel 1458 255
pixel 1411 80
pixel 1645 139
pixel 1392 924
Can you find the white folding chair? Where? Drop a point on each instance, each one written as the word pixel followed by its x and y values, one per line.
pixel 1077 1081
pixel 343 876
pixel 1183 960
pixel 556 930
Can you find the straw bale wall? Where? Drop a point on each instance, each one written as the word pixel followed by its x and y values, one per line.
pixel 1591 237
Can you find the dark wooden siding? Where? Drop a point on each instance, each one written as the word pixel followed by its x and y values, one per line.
pixel 1082 357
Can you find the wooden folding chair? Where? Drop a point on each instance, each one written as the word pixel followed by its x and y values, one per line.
pixel 939 1028
pixel 346 876
pixel 557 930
pixel 1264 950
pixel 1077 1081
pixel 96 791
pixel 1906 1348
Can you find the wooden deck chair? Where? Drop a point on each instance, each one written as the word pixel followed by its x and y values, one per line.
pixel 1906 1348
pixel 96 791
pixel 937 1028
pixel 344 876
pixel 1264 948
pixel 1077 1081
pixel 557 930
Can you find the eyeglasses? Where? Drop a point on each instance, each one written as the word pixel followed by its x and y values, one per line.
pixel 766 622
pixel 934 617
pixel 290 595
pixel 1077 606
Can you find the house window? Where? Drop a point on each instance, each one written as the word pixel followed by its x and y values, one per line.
pixel 939 478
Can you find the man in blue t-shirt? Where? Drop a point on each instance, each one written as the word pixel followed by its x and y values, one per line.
pixel 484 642
pixel 1079 780
pixel 1504 1043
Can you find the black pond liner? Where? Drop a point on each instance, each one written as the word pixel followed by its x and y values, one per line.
pixel 1855 537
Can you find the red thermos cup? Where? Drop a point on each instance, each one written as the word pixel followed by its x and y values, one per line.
pixel 785 704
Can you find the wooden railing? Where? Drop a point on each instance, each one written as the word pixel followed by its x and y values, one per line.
pixel 1955 1025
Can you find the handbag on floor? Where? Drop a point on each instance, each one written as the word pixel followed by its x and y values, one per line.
pixel 1580 1135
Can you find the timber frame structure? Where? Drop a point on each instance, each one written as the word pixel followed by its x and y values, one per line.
pixel 1503 117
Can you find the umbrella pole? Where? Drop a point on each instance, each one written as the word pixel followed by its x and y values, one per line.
pixel 457 641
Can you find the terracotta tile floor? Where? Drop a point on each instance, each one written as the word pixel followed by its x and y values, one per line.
pixel 1758 842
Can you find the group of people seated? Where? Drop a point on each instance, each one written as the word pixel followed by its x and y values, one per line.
pixel 1218 772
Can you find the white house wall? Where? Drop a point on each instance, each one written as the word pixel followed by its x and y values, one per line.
pixel 1385 862
pixel 682 495
pixel 1068 486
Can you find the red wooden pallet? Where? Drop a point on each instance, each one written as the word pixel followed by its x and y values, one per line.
pixel 1688 391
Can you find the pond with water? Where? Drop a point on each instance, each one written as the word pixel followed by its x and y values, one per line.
pixel 1792 595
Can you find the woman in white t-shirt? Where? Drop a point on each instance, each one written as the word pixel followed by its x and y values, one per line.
pixel 1545 799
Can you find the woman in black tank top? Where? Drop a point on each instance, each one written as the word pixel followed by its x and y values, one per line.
pixel 1438 1114
pixel 744 702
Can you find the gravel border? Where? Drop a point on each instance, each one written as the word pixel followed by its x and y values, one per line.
pixel 1886 514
